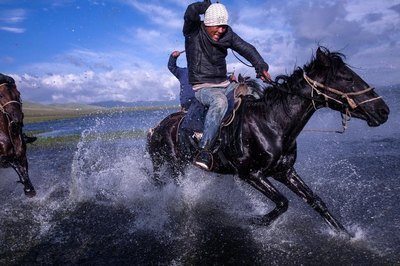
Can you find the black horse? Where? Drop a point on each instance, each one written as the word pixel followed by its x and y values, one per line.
pixel 261 141
pixel 12 142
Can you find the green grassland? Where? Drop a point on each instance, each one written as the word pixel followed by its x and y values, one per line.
pixel 38 112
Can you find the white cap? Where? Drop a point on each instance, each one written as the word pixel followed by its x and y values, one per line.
pixel 216 15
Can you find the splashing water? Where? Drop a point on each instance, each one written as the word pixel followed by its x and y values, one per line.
pixel 96 204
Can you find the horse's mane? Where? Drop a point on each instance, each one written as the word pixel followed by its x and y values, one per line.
pixel 292 83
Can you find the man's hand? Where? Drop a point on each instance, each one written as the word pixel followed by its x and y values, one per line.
pixel 176 54
pixel 206 4
pixel 265 76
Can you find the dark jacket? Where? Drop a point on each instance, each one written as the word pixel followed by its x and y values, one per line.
pixel 181 73
pixel 205 57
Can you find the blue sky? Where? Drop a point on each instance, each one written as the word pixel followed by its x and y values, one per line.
pixel 67 51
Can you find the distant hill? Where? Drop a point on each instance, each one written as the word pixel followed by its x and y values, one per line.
pixel 66 106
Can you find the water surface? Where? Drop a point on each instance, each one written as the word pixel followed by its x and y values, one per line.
pixel 96 203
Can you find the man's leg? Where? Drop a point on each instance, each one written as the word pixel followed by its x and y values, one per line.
pixel 217 104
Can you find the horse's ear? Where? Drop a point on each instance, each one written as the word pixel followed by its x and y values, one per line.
pixel 322 57
pixel 240 78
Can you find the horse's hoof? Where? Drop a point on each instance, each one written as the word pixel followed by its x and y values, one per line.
pixel 30 193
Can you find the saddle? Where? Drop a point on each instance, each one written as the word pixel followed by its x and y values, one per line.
pixel 195 116
pixel 192 124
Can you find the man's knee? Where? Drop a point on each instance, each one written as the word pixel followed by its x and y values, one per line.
pixel 221 101
pixel 222 105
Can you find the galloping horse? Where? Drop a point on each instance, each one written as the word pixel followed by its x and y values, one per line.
pixel 12 143
pixel 263 142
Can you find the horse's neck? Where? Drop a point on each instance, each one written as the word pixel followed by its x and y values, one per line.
pixel 294 112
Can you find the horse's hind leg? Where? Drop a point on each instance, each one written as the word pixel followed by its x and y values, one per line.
pixel 22 170
pixel 264 186
pixel 293 181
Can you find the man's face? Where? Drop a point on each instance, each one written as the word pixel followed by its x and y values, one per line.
pixel 216 32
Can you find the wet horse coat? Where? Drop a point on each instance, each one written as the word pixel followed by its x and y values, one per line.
pixel 12 143
pixel 269 128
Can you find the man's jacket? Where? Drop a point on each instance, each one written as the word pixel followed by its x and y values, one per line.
pixel 181 73
pixel 205 57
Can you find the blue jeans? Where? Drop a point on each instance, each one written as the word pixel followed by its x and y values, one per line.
pixel 217 102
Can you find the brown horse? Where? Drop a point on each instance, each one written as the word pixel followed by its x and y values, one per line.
pixel 261 141
pixel 12 143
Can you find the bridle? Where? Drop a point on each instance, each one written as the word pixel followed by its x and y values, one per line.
pixel 349 102
pixel 7 103
pixel 353 105
pixel 2 110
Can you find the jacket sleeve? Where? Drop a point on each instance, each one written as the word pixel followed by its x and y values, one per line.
pixel 249 52
pixel 192 16
pixel 172 65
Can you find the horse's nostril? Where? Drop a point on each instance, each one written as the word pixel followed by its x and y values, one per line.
pixel 384 111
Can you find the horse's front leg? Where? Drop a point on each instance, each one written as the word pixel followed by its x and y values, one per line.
pixel 21 167
pixel 293 181
pixel 156 162
pixel 263 185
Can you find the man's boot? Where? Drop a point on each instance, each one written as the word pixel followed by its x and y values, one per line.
pixel 204 160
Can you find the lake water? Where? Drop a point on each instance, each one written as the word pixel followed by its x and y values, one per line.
pixel 95 204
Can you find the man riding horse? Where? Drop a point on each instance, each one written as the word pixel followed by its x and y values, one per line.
pixel 206 45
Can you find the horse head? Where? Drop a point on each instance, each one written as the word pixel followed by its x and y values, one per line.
pixel 334 84
pixel 10 103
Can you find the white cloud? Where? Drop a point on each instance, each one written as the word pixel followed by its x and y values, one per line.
pixel 13 29
pixel 375 17
pixel 122 85
pixel 158 14
pixel 145 35
pixel 12 16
